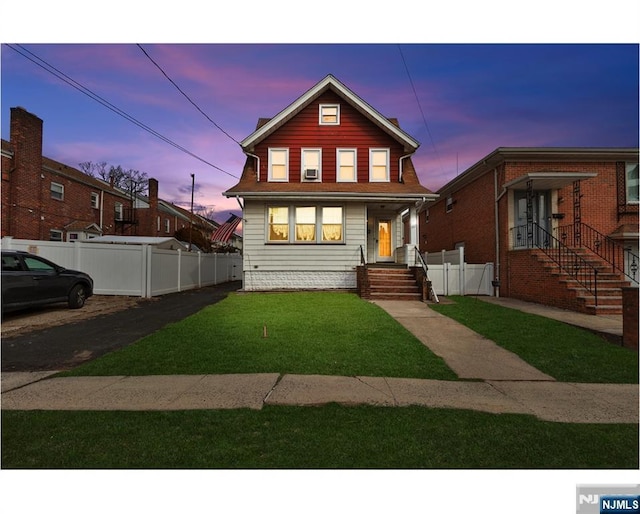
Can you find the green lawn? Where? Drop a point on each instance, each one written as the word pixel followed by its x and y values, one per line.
pixel 310 437
pixel 307 333
pixel 567 353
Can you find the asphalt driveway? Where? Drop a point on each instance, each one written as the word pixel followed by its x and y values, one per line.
pixel 66 346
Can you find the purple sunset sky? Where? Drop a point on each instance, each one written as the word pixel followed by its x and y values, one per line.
pixel 474 97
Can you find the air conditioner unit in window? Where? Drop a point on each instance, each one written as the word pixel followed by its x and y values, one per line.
pixel 310 174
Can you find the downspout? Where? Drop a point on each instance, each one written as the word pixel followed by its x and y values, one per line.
pixel 401 166
pixel 258 164
pixel 101 210
pixel 496 273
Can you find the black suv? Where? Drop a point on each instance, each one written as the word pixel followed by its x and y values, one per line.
pixel 29 280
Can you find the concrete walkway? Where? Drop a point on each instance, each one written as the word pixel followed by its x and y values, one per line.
pixel 497 381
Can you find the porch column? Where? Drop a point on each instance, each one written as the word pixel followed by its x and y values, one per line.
pixel 413 226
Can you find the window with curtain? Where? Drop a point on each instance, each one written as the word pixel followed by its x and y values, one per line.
pixel 278 224
pixel 305 224
pixel 332 224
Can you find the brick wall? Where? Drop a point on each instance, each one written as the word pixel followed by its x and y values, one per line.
pixel 630 317
pixel 29 211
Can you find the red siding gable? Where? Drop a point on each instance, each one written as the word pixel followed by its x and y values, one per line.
pixel 354 131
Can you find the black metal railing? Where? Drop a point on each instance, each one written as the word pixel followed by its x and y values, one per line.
pixel 363 260
pixel 620 258
pixel 569 262
pixel 419 261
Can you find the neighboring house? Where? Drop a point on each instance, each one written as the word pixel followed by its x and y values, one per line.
pixel 324 187
pixel 548 218
pixel 43 199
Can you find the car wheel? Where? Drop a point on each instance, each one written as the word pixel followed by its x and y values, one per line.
pixel 77 297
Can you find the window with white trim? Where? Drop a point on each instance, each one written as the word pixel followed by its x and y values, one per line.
pixel 95 201
pixel 379 165
pixel 449 204
pixel 332 222
pixel 57 191
pixel 329 114
pixel 631 175
pixel 118 212
pixel 278 224
pixel 55 235
pixel 310 161
pixel 167 225
pixel 346 165
pixel 311 224
pixel 278 164
pixel 305 224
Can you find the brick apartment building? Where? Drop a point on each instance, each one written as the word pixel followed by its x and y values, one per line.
pixel 525 208
pixel 43 199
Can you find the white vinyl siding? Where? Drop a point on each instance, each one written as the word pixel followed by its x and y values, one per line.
pixel 278 164
pixel 261 256
pixel 346 165
pixel 379 165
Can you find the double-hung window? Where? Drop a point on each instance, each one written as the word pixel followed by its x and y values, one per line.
pixel 118 212
pixel 278 229
pixel 278 164
pixel 305 224
pixel 329 114
pixel 331 224
pixel 95 201
pixel 57 191
pixel 310 159
pixel 379 165
pixel 346 165
pixel 309 224
pixel 631 176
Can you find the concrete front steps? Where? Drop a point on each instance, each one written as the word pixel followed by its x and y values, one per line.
pixel 609 284
pixel 392 282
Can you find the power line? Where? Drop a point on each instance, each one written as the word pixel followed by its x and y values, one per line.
pixel 424 119
pixel 186 96
pixel 86 91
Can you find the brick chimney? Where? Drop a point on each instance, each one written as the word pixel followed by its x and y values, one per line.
pixel 26 141
pixel 25 182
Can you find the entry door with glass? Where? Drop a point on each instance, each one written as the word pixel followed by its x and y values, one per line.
pixel 540 212
pixel 384 241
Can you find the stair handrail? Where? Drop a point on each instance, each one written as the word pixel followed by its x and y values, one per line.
pixel 620 258
pixel 564 257
pixel 425 270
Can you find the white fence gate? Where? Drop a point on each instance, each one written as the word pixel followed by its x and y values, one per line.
pixel 451 275
pixel 135 270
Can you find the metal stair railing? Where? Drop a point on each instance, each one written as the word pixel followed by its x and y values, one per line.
pixel 533 235
pixel 419 260
pixel 620 258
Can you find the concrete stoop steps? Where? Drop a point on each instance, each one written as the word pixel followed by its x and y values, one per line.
pixel 609 283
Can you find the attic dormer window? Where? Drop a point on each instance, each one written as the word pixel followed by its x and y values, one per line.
pixel 329 114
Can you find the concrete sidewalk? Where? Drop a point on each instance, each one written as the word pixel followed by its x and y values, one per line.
pixel 497 382
pixel 550 401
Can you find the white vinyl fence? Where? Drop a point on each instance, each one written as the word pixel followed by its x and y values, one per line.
pixel 451 275
pixel 136 270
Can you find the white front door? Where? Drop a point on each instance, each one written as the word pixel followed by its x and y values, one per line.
pixel 384 241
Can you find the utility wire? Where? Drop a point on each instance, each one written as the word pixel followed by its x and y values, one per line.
pixel 84 90
pixel 186 96
pixel 424 119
